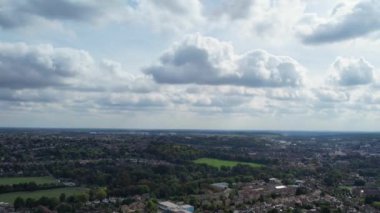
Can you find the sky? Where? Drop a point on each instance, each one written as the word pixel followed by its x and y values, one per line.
pixel 190 64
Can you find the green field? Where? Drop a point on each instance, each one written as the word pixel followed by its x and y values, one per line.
pixel 376 204
pixel 18 180
pixel 219 163
pixel 10 197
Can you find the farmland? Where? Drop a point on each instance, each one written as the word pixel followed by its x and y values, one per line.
pixel 10 197
pixel 21 180
pixel 219 163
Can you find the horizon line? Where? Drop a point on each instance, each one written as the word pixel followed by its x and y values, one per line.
pixel 191 129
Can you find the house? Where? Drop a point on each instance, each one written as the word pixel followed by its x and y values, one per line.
pixel 133 207
pixel 187 207
pixel 167 205
pixel 170 207
pixel 300 182
pixel 275 180
pixel 219 186
pixel 4 204
pixel 69 184
pixel 280 187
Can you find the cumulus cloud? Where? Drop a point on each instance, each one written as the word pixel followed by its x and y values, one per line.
pixel 131 101
pixel 39 76
pixel 326 94
pixel 347 21
pixel 256 17
pixel 29 95
pixel 234 10
pixel 289 94
pixel 223 98
pixel 351 72
pixel 208 61
pixel 225 90
pixel 24 66
pixel 7 15
pixel 166 15
pixel 15 14
pixel 370 97
pixel 62 9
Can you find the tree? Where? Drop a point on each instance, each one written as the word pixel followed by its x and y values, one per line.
pixel 100 193
pixel 19 203
pixel 44 201
pixel 359 182
pixel 301 191
pixel 71 199
pixel 53 202
pixel 128 201
pixel 64 208
pixel 151 207
pixel 297 210
pixel 325 209
pixel 82 198
pixel 62 197
pixel 332 178
pixel 261 198
pixel 30 203
pixel 371 198
pixel 274 195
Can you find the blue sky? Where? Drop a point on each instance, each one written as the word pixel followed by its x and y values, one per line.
pixel 204 64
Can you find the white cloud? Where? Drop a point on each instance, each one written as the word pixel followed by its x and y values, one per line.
pixel 16 14
pixel 208 61
pixel 173 15
pixel 290 94
pixel 29 95
pixel 198 76
pixel 351 72
pixel 234 10
pixel 370 97
pixel 24 66
pixel 326 94
pixel 131 101
pixel 256 17
pixel 349 20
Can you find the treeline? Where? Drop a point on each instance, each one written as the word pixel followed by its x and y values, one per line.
pixel 31 186
pixel 234 142
pixel 62 204
pixel 28 170
pixel 176 153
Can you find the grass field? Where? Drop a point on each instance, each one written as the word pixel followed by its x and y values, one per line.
pixel 10 197
pixel 219 163
pixel 17 180
pixel 376 204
